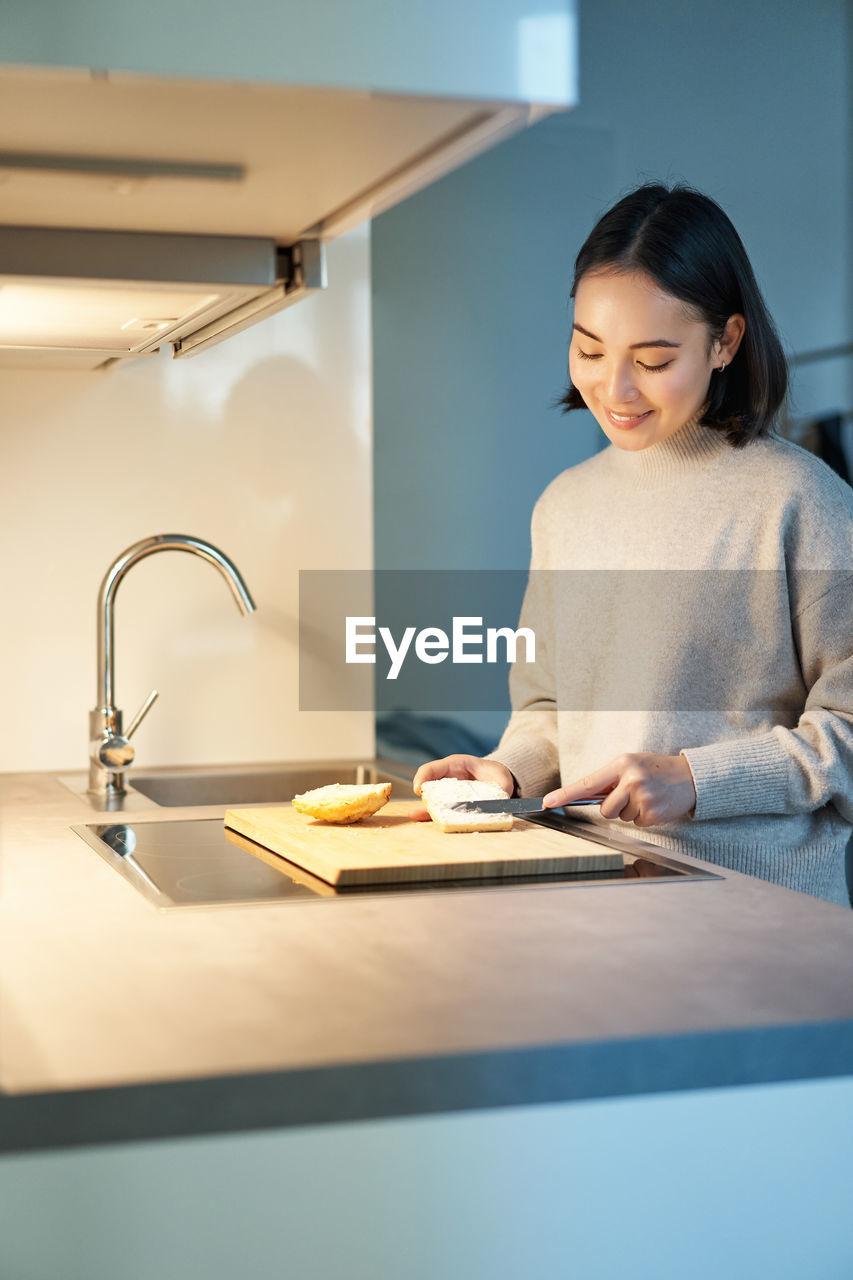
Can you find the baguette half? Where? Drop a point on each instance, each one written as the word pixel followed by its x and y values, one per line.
pixel 442 794
pixel 340 802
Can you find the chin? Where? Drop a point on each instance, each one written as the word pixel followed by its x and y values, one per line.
pixel 628 441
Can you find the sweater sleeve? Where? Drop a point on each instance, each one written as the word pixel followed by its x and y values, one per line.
pixel 528 746
pixel 801 768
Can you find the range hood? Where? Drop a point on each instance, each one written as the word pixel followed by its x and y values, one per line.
pixel 140 212
pixel 85 299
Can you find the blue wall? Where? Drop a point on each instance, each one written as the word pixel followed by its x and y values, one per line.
pixel 470 313
pixel 470 303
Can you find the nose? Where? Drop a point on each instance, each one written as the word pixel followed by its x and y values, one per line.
pixel 621 387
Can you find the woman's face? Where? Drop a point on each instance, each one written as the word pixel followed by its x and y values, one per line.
pixel 641 362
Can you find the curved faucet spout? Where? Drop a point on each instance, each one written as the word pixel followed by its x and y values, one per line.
pixel 117 571
pixel 110 752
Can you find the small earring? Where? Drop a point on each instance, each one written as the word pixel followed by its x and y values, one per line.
pixel 722 367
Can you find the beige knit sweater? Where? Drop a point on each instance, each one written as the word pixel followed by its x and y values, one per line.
pixel 695 598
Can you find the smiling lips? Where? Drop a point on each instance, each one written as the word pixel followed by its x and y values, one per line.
pixel 627 421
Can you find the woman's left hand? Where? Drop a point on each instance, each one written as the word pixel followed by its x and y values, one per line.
pixel 643 788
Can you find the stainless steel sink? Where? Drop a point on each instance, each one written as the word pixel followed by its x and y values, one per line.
pixel 262 785
pixel 249 784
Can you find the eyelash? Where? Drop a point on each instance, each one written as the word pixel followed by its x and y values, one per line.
pixel 649 368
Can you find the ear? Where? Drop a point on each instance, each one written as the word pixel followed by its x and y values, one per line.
pixel 728 344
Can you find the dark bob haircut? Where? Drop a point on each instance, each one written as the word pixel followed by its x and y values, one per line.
pixel 683 241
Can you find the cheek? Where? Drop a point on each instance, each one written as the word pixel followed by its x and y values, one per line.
pixel 580 371
pixel 686 383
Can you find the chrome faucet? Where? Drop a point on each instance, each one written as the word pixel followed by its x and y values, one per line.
pixel 110 750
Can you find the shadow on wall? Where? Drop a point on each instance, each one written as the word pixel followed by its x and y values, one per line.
pixel 289 463
pixel 288 456
pixel 279 478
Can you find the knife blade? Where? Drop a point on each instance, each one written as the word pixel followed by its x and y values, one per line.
pixel 520 804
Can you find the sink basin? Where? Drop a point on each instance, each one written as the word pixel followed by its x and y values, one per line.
pixel 247 784
pixel 261 785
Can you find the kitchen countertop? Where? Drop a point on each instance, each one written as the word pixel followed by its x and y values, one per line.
pixel 120 1022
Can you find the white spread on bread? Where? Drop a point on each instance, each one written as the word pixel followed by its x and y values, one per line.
pixel 442 794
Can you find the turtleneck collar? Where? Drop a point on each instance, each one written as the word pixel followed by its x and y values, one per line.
pixel 691 448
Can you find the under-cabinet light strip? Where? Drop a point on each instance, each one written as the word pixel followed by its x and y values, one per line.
pixel 119 167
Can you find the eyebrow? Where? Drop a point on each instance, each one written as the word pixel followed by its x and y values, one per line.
pixel 635 346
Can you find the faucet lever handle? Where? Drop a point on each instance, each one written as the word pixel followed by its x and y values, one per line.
pixel 141 713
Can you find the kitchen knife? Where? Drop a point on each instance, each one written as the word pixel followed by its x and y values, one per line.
pixel 521 804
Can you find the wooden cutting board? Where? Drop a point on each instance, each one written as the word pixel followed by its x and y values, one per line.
pixel 391 847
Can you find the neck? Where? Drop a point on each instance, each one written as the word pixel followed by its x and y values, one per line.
pixel 689 449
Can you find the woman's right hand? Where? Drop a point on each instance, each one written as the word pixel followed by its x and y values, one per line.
pixel 459 766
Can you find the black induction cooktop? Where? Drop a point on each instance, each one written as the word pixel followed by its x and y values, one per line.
pixel 199 862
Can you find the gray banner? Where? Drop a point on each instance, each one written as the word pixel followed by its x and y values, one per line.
pixel 440 641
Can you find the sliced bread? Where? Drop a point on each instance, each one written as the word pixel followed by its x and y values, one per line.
pixel 442 794
pixel 340 802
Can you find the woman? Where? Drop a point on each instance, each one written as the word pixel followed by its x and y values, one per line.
pixel 711 695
